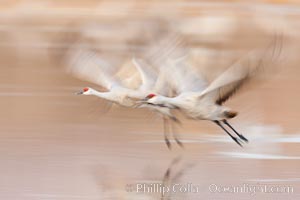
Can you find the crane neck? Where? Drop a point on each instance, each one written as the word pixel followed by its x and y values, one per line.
pixel 103 95
pixel 168 101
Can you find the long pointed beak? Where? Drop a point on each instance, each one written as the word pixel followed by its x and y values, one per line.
pixel 144 100
pixel 79 93
pixel 140 102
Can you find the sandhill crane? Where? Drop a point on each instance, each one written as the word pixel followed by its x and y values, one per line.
pixel 86 66
pixel 206 102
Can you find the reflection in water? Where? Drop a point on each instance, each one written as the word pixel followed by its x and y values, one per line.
pixel 171 178
pixel 168 180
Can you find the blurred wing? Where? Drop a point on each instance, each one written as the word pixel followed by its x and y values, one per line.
pixel 232 75
pixel 147 74
pixel 162 85
pixel 157 53
pixel 184 78
pixel 228 83
pixel 170 56
pixel 225 93
pixel 128 75
pixel 89 66
pixel 169 46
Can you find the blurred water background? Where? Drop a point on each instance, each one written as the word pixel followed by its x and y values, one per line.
pixel 56 145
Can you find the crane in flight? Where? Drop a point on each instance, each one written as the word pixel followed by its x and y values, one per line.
pixel 203 101
pixel 87 65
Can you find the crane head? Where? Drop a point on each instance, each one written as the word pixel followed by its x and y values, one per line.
pixel 150 96
pixel 85 91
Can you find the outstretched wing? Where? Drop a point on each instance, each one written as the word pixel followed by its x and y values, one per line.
pixel 147 74
pixel 87 65
pixel 168 45
pixel 170 57
pixel 230 81
pixel 225 93
pixel 184 78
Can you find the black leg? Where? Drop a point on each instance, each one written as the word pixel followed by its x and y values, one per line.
pixel 173 123
pixel 240 135
pixel 166 133
pixel 179 142
pixel 167 180
pixel 232 137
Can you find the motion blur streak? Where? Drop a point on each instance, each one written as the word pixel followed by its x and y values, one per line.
pixel 56 145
